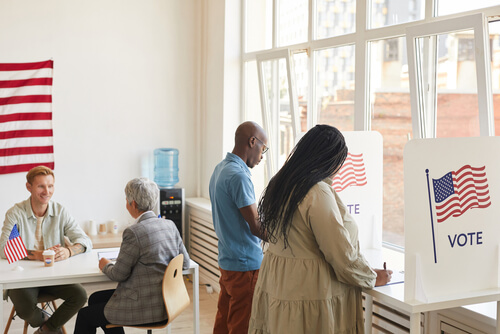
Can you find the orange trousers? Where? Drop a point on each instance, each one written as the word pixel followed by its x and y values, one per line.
pixel 235 301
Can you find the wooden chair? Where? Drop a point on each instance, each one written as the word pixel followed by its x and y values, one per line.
pixel 43 299
pixel 175 295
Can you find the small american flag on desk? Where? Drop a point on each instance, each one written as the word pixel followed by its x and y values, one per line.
pixel 14 248
pixel 461 190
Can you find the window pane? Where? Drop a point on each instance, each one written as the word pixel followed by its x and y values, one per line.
pixel 253 112
pixel 391 116
pixel 457 104
pixel 445 7
pixel 335 17
pixel 386 13
pixel 301 62
pixel 335 87
pixel 293 21
pixel 278 105
pixel 494 28
pixel 259 25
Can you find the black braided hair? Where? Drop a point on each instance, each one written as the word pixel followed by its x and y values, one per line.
pixel 319 154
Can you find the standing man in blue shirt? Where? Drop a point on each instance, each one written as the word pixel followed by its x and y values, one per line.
pixel 237 225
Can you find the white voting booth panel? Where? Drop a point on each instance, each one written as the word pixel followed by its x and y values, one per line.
pixel 359 184
pixel 452 207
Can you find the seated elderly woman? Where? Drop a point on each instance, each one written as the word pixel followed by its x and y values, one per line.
pixel 147 247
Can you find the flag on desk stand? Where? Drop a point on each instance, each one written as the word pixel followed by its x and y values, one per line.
pixel 14 248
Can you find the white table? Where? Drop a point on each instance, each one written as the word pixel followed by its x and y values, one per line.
pixel 393 294
pixel 78 269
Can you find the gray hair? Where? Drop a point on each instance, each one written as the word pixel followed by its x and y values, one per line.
pixel 144 192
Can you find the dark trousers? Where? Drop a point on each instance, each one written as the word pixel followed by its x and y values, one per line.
pixel 25 302
pixel 235 301
pixel 92 316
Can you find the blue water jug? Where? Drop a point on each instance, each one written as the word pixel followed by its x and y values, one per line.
pixel 166 167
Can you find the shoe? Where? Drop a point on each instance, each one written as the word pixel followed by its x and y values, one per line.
pixel 41 331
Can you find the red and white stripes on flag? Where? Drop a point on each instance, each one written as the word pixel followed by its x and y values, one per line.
pixel 461 190
pixel 26 116
pixel 14 248
pixel 352 173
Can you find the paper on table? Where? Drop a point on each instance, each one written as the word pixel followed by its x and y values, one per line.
pixel 398 276
pixel 111 255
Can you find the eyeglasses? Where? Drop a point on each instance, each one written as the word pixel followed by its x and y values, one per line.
pixel 265 147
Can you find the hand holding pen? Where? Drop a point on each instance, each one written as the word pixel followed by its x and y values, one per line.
pixel 383 276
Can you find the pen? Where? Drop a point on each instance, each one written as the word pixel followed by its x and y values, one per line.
pixel 385 266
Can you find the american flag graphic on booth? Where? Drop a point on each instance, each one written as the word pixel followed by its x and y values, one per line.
pixel 352 173
pixel 26 116
pixel 461 190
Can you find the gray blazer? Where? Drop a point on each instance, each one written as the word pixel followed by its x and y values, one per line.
pixel 147 248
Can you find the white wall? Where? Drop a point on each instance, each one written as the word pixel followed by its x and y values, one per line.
pixel 126 81
pixel 220 83
pixel 212 82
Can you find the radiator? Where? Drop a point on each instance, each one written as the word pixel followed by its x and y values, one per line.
pixel 203 248
pixel 388 320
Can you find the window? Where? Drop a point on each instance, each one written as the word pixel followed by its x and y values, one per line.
pixel 292 20
pixel 446 7
pixel 259 32
pixel 391 116
pixel 346 63
pixel 494 28
pixel 279 105
pixel 334 69
pixel 450 91
pixel 386 12
pixel 335 18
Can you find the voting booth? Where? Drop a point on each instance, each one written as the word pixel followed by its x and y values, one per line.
pixel 359 184
pixel 452 208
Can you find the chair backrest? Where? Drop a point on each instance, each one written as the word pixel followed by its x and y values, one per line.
pixel 175 294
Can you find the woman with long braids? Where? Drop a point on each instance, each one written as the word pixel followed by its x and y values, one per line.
pixel 312 274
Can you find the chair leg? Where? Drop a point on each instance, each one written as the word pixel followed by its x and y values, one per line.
pixel 54 305
pixel 25 330
pixel 7 326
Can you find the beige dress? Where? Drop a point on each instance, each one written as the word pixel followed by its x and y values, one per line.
pixel 313 286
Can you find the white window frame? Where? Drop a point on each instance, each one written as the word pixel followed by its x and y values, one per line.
pixel 422 72
pixel 268 118
pixel 360 39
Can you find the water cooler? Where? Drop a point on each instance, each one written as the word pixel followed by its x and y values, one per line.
pixel 166 177
pixel 172 207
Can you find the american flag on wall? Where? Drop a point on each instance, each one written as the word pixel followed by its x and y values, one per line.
pixel 14 248
pixel 26 116
pixel 461 190
pixel 352 173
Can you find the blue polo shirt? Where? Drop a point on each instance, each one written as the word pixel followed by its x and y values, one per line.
pixel 231 188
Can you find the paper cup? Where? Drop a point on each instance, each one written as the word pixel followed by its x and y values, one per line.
pixel 102 228
pixel 48 257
